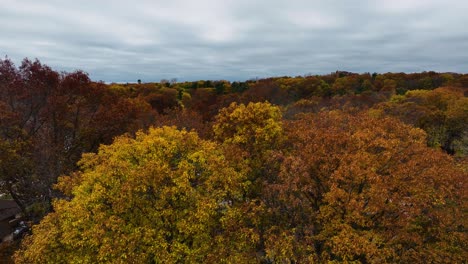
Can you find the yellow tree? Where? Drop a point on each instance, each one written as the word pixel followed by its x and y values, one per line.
pixel 254 127
pixel 163 197
pixel 255 130
pixel 251 134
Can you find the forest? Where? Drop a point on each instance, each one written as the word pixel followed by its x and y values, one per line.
pixel 337 168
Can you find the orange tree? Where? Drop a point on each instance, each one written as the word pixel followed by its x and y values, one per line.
pixel 364 189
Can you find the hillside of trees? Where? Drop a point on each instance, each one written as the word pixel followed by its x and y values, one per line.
pixel 337 168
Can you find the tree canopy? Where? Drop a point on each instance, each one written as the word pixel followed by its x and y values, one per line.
pixel 364 189
pixel 162 197
pixel 334 168
pixel 347 188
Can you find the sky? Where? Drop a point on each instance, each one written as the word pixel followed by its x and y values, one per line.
pixel 123 41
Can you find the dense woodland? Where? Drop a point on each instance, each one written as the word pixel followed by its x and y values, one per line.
pixel 344 167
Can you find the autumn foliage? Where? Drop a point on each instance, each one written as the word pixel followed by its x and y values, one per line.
pixel 365 189
pixel 161 197
pixel 348 188
pixel 339 168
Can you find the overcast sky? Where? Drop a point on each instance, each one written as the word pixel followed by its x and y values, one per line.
pixel 124 41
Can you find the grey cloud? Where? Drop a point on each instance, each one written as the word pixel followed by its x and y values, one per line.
pixel 235 40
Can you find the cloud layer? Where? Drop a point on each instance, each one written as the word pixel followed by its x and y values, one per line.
pixel 235 39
